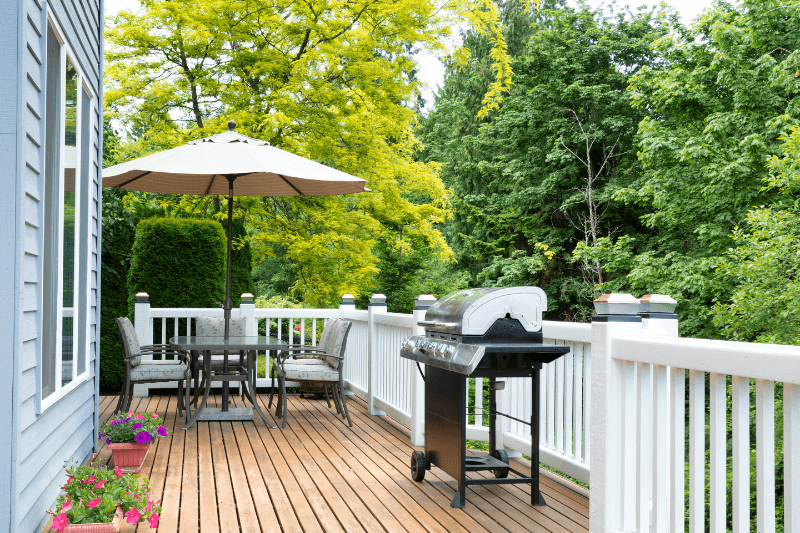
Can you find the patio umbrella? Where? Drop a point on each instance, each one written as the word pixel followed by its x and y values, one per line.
pixel 233 164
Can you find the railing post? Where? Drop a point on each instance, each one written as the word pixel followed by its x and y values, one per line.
pixel 669 420
pixel 141 323
pixel 377 305
pixel 417 385
pixel 616 315
pixel 247 307
pixel 348 303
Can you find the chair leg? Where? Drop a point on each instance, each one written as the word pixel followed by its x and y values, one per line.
pixel 327 399
pixel 122 393
pixel 336 400
pixel 285 400
pixel 128 397
pixel 180 398
pixel 344 405
pixel 272 388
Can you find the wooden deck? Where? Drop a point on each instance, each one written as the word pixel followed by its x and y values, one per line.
pixel 319 475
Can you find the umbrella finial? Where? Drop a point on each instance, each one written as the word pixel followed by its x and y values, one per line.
pixel 231 125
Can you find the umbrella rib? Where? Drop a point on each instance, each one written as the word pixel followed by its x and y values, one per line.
pixel 121 185
pixel 290 185
pixel 210 183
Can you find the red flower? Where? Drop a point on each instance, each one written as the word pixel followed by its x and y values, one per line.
pixel 100 485
pixel 118 472
pixel 94 503
pixel 133 516
pixel 60 522
pixel 89 479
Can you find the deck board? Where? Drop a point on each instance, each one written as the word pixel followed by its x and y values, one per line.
pixel 319 475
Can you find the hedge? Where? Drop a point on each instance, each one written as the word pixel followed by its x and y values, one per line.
pixel 178 262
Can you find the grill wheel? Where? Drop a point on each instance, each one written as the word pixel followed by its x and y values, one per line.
pixel 417 465
pixel 500 455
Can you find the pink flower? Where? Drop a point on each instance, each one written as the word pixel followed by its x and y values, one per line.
pixel 69 480
pixel 94 503
pixel 149 506
pixel 297 328
pixel 129 413
pixel 153 521
pixel 60 522
pixel 118 471
pixel 67 506
pixel 154 416
pixel 89 479
pixel 133 516
pixel 138 417
pixel 100 485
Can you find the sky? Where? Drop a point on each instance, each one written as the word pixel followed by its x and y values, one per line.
pixel 431 69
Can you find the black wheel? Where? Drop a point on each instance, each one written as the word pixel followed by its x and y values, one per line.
pixel 500 455
pixel 417 465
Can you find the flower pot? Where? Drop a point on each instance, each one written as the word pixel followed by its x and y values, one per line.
pixel 108 527
pixel 128 454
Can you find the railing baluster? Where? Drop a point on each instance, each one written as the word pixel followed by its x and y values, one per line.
pixel 765 455
pixel 660 450
pixel 163 332
pixel 791 458
pixel 559 430
pixel 302 331
pixel 577 419
pixel 551 405
pixel 678 458
pixel 587 401
pixel 718 452
pixel 740 420
pixel 568 413
pixel 644 466
pixel 697 449
pixel 630 403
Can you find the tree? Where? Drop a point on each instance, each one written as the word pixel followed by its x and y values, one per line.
pixel 325 80
pixel 536 178
pixel 716 106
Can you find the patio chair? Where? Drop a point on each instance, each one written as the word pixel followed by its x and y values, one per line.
pixel 304 354
pixel 214 326
pixel 328 371
pixel 138 371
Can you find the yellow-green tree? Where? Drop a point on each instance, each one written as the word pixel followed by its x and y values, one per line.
pixel 332 81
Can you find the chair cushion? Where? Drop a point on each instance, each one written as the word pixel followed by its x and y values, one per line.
pixel 214 326
pixel 159 370
pixel 131 339
pixel 302 372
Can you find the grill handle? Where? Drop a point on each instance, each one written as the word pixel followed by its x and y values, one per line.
pixel 439 325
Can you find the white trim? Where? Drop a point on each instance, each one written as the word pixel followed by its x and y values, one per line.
pixel 81 224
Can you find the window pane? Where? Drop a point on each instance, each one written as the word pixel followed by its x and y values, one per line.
pixel 68 248
pixel 84 181
pixel 50 253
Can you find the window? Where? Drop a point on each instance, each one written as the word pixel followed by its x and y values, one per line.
pixel 65 257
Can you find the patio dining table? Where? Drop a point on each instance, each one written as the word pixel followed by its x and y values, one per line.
pixel 245 374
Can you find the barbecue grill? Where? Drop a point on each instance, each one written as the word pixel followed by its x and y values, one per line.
pixel 480 333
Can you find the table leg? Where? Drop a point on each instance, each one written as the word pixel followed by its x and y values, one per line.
pixel 207 373
pixel 225 385
pixel 252 357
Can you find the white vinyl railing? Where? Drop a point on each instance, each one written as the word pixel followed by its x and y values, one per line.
pixel 647 471
pixel 654 405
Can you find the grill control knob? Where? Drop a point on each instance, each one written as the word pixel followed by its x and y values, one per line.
pixel 449 350
pixel 440 349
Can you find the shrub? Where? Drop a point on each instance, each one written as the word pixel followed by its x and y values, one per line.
pixel 178 262
pixel 241 261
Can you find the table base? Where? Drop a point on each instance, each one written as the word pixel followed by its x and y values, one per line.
pixel 215 414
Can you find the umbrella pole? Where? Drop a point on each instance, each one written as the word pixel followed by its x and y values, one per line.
pixel 228 304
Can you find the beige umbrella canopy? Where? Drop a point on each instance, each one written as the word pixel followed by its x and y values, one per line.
pixel 233 164
pixel 202 167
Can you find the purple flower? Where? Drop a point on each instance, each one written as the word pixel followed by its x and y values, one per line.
pixel 100 436
pixel 136 426
pixel 116 422
pixel 108 440
pixel 162 431
pixel 143 437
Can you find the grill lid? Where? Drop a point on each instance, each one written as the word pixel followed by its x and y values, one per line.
pixel 473 311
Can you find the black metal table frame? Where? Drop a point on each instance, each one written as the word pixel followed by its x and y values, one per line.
pixel 247 379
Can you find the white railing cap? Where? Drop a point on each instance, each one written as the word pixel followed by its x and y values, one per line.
pixel 616 303
pixel 142 297
pixel 348 299
pixel 377 298
pixel 657 303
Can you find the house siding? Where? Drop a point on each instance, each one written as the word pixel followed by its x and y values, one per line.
pixel 35 445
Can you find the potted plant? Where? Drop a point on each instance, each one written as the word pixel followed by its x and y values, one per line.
pixel 129 435
pixel 97 500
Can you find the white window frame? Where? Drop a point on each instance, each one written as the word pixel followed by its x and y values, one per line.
pixel 82 215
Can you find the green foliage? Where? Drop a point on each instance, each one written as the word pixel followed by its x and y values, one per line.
pixel 178 262
pixel 765 264
pixel 241 261
pixel 716 107
pixel 538 175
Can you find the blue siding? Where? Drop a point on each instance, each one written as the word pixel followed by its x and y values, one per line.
pixel 35 445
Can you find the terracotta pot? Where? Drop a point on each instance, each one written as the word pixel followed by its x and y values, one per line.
pixel 108 527
pixel 128 454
